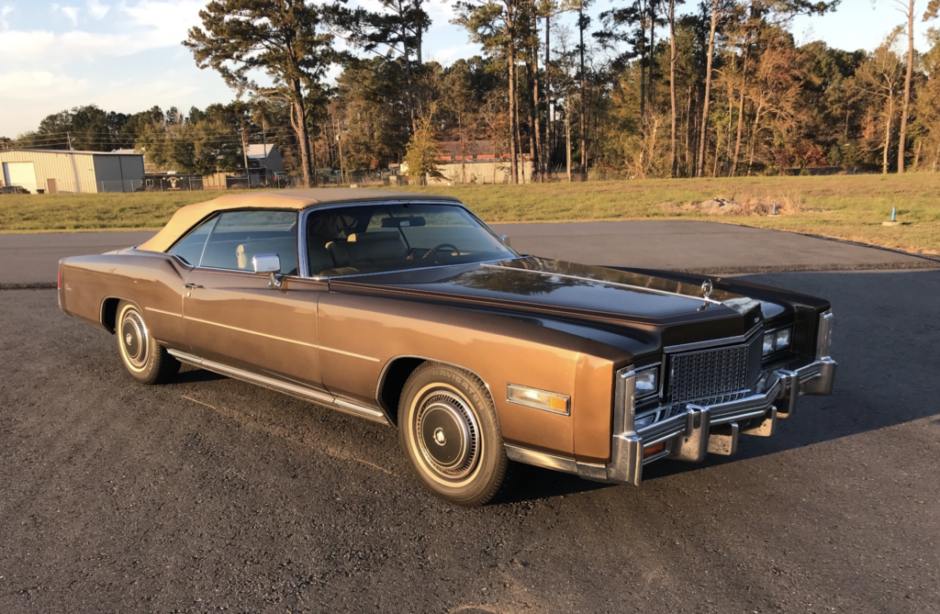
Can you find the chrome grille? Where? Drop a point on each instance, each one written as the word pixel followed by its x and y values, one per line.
pixel 707 373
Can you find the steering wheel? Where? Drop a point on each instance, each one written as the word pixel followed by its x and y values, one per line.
pixel 453 248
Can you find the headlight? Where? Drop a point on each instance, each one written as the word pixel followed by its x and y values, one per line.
pixel 768 343
pixel 647 382
pixel 777 340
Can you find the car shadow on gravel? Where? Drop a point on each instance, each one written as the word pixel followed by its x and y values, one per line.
pixel 528 483
pixel 192 375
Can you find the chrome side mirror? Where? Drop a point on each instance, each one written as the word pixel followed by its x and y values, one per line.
pixel 505 239
pixel 270 264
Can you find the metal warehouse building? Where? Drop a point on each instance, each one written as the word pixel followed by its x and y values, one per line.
pixel 54 170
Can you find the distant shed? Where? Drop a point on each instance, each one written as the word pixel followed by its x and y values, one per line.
pixel 62 170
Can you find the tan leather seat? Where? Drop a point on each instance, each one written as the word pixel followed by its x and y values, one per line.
pixel 367 247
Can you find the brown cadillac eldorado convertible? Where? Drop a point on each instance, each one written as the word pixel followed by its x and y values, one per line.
pixel 407 310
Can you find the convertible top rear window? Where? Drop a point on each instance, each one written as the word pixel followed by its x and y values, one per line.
pixel 378 238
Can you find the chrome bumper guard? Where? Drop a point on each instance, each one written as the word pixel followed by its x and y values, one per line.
pixel 703 429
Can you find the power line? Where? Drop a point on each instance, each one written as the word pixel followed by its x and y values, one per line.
pixel 211 136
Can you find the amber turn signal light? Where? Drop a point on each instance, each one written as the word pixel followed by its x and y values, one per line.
pixel 654 449
pixel 539 399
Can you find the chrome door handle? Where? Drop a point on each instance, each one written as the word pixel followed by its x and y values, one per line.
pixel 193 285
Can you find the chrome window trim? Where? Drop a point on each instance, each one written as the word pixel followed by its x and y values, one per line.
pixel 711 343
pixel 423 268
pixel 304 266
pixel 248 272
pixel 209 269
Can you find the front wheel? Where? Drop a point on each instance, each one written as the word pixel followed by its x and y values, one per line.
pixel 449 429
pixel 146 360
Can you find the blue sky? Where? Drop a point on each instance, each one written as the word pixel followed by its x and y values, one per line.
pixel 125 55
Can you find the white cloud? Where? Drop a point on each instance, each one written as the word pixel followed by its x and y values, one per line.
pixel 69 11
pixel 147 25
pixel 440 11
pixel 97 10
pixel 63 65
pixel 28 96
pixel 25 86
pixel 448 55
pixel 4 11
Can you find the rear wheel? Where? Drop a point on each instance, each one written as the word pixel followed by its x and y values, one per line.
pixel 449 430
pixel 146 360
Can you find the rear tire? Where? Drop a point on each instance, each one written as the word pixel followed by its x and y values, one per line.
pixel 449 429
pixel 147 361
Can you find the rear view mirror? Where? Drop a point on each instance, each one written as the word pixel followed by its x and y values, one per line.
pixel 403 222
pixel 268 263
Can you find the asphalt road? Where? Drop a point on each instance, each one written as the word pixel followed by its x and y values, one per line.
pixel 31 260
pixel 700 246
pixel 213 495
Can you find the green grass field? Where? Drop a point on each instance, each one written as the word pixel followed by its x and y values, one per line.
pixel 844 207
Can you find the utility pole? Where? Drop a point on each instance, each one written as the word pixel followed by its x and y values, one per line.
pixel 342 169
pixel 264 143
pixel 68 136
pixel 581 25
pixel 245 156
pixel 568 135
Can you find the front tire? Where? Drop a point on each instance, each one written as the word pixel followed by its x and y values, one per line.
pixel 449 429
pixel 147 361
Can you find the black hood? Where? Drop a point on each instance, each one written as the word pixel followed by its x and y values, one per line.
pixel 679 311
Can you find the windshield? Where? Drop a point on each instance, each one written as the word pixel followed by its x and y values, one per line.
pixel 377 238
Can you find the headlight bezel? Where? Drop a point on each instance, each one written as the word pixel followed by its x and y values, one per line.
pixel 648 373
pixel 776 340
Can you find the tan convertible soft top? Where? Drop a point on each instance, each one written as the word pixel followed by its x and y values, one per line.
pixel 187 217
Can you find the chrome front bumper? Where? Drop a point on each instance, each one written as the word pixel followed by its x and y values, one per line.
pixel 703 429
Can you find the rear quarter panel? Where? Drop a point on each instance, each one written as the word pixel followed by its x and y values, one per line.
pixel 153 281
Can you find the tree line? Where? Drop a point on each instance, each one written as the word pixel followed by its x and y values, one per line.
pixel 721 89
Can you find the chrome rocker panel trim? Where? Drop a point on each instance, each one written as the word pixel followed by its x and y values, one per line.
pixel 690 435
pixel 301 392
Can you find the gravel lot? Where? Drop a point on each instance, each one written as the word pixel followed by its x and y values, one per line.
pixel 212 495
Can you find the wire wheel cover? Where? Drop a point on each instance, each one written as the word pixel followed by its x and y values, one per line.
pixel 134 339
pixel 447 434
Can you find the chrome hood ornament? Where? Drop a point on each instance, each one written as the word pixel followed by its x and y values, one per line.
pixel 707 288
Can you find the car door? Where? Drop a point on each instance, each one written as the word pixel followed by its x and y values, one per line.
pixel 234 316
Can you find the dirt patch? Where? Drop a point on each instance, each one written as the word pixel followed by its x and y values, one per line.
pixel 727 206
